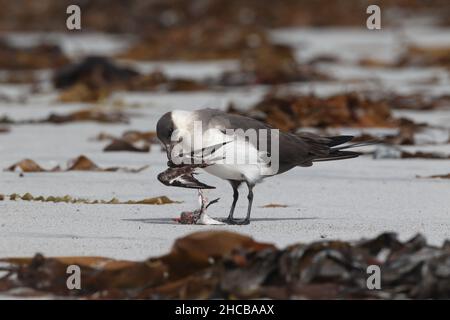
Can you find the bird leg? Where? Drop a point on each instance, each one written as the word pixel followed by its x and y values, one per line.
pixel 235 185
pixel 250 202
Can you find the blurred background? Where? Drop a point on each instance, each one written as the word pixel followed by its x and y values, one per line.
pixel 143 17
pixel 78 110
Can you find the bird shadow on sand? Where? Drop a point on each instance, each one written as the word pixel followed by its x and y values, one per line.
pixel 171 221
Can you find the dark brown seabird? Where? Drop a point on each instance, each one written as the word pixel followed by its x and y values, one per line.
pixel 182 176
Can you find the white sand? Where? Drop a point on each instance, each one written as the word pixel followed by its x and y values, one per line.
pixel 345 200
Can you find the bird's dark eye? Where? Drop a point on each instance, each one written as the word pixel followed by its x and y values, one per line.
pixel 170 132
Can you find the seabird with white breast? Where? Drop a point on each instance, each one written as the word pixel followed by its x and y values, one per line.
pixel 179 130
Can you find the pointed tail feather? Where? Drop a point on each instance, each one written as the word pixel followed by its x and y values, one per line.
pixel 336 153
pixel 357 144
pixel 338 140
pixel 339 155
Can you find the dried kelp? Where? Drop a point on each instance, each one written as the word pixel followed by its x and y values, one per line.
pixel 394 152
pixel 274 205
pixel 158 81
pixel 81 163
pixel 226 265
pixel 425 57
pixel 94 78
pixel 406 135
pixel 28 165
pixel 289 113
pixel 131 136
pixel 417 101
pixel 424 155
pixel 94 114
pixel 132 141
pixel 69 199
pixel 274 64
pixel 205 40
pixel 122 145
pixel 144 17
pixel 438 176
pixel 414 56
pixel 42 56
pixel 93 71
pixel 19 77
pixel 260 60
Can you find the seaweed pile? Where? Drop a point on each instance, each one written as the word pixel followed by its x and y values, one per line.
pixel 348 110
pixel 144 17
pixel 225 265
pixel 160 200
pixel 293 112
pixel 131 141
pixel 95 78
pixel 42 56
pixel 425 56
pixel 92 114
pixel 80 163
